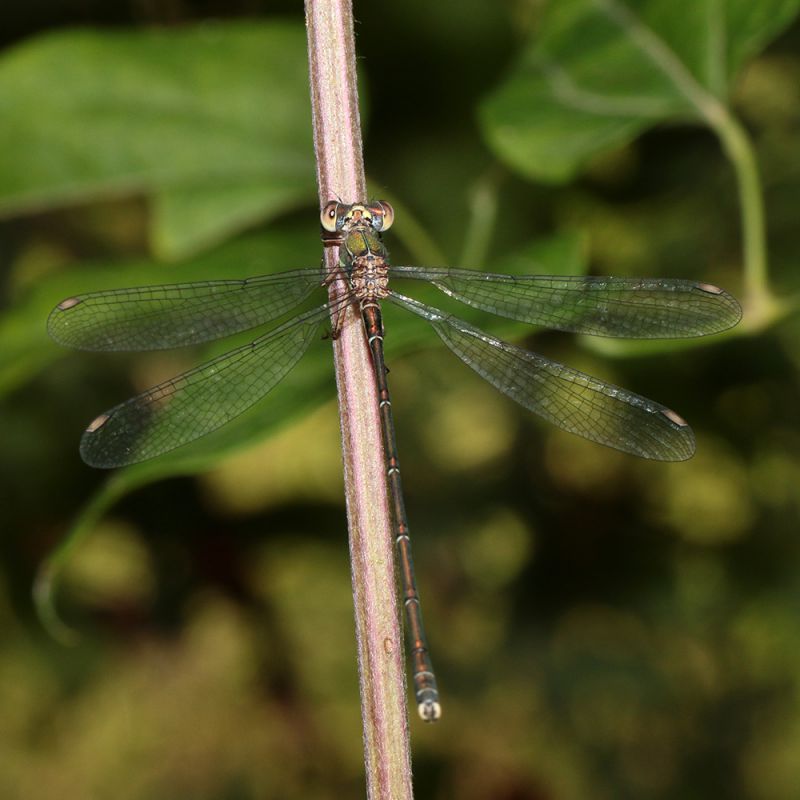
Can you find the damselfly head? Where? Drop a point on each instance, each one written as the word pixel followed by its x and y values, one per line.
pixel 336 216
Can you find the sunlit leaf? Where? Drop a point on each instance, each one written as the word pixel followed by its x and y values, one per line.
pixel 599 72
pixel 212 120
pixel 190 218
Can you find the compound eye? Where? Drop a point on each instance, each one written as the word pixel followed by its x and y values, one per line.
pixel 383 215
pixel 388 215
pixel 329 216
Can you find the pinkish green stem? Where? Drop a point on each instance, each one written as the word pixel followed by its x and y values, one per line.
pixel 340 174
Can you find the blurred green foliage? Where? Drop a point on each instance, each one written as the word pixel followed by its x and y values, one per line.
pixel 603 627
pixel 599 72
pixel 204 120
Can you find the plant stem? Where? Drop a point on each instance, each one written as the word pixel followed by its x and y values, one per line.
pixel 49 572
pixel 340 175
pixel 483 202
pixel 739 149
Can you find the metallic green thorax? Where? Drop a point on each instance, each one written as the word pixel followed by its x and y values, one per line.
pixel 362 241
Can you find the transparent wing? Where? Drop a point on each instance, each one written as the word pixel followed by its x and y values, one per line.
pixel 178 314
pixel 198 401
pixel 625 307
pixel 569 399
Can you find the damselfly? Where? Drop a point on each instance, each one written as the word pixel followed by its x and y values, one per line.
pixel 199 401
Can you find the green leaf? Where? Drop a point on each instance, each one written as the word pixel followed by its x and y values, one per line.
pixel 188 219
pixel 599 72
pixel 564 253
pixel 213 121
